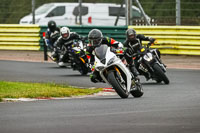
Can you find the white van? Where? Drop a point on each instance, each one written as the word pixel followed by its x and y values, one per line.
pixel 101 14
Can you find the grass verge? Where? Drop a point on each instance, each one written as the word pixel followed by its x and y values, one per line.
pixel 40 90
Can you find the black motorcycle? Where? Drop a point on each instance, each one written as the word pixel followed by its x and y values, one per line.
pixel 75 57
pixel 150 65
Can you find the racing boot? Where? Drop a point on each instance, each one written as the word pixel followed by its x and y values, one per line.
pixel 95 77
pixel 134 71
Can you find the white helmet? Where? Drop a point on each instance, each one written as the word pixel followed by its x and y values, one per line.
pixel 65 33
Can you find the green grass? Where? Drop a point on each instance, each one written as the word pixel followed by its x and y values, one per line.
pixel 40 90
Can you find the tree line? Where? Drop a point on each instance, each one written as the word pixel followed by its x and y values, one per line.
pixel 11 11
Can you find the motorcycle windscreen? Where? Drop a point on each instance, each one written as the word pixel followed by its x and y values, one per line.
pixel 101 51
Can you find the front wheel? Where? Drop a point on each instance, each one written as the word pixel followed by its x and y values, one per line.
pixel 161 75
pixel 115 82
pixel 83 70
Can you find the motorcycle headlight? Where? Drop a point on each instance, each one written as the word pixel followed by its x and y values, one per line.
pixel 111 61
pixel 148 57
pixel 103 61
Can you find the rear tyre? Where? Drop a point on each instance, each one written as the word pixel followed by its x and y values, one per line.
pixel 161 75
pixel 119 88
pixel 158 80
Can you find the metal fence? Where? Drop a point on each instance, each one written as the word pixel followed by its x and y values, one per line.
pixel 161 12
pixel 164 12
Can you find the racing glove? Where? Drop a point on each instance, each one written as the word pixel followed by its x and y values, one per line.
pixel 152 40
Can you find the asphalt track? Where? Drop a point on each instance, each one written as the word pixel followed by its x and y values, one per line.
pixel 172 108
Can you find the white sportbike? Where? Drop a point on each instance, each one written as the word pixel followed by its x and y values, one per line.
pixel 113 71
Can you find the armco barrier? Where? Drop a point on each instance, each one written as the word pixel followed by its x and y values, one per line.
pixel 181 40
pixel 19 37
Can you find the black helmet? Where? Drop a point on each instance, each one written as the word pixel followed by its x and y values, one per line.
pixel 95 37
pixel 52 25
pixel 131 34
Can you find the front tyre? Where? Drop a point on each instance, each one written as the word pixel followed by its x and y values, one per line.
pixel 161 75
pixel 83 71
pixel 119 88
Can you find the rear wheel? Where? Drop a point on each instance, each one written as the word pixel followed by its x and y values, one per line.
pixel 161 75
pixel 120 88
pixel 158 80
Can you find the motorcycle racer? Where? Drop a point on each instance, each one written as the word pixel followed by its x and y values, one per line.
pixel 96 39
pixel 67 39
pixel 133 43
pixel 52 34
